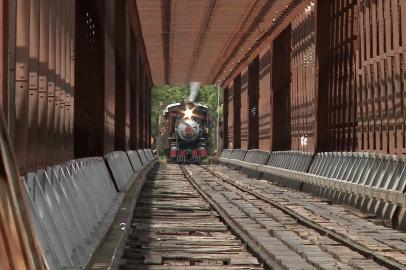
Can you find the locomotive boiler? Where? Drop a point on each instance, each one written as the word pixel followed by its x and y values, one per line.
pixel 187 130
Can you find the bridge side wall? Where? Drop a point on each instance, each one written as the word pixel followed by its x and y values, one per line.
pixel 77 83
pixel 344 89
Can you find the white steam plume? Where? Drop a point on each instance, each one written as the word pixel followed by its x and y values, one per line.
pixel 193 91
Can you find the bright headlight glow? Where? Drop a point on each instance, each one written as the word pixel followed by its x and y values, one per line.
pixel 188 113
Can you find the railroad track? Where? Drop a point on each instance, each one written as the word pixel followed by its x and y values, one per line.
pixel 179 223
pixel 175 228
pixel 361 232
pixel 297 230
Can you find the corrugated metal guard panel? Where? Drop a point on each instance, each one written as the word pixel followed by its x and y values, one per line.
pixel 230 116
pixel 281 80
pixel 244 109
pixel 303 81
pixel 341 79
pixel 381 76
pixel 265 115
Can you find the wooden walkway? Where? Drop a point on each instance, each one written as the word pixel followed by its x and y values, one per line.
pixel 210 217
pixel 175 228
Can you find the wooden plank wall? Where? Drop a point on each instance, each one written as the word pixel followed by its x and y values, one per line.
pixel 133 94
pixel 120 36
pixel 134 98
pixel 265 102
pixel 253 108
pixel 237 112
pixel 63 80
pixel 281 84
pixel 4 6
pixel 381 76
pixel 42 93
pixel 112 8
pixel 89 120
pixel 341 107
pixel 303 81
pixel 18 246
pixel 224 125
pixel 348 94
pixel 230 122
pixel 244 109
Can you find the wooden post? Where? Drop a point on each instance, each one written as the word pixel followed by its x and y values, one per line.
pixel 20 106
pixel 43 84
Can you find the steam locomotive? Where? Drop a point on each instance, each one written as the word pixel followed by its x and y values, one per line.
pixel 186 132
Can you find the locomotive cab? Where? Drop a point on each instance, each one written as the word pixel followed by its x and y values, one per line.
pixel 186 132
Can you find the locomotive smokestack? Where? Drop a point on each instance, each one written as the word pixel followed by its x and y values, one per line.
pixel 193 91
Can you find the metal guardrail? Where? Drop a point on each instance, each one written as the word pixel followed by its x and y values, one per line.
pixel 73 204
pixel 135 160
pixel 121 169
pixel 110 252
pixel 374 183
pixel 293 160
pixel 388 196
pixel 256 156
pixel 296 160
pixel 238 154
pixel 226 153
pixel 374 171
pixel 143 157
pixel 148 154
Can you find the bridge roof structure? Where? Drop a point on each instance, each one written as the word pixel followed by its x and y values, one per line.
pixel 202 40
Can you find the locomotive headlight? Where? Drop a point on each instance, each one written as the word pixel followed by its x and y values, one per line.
pixel 189 113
